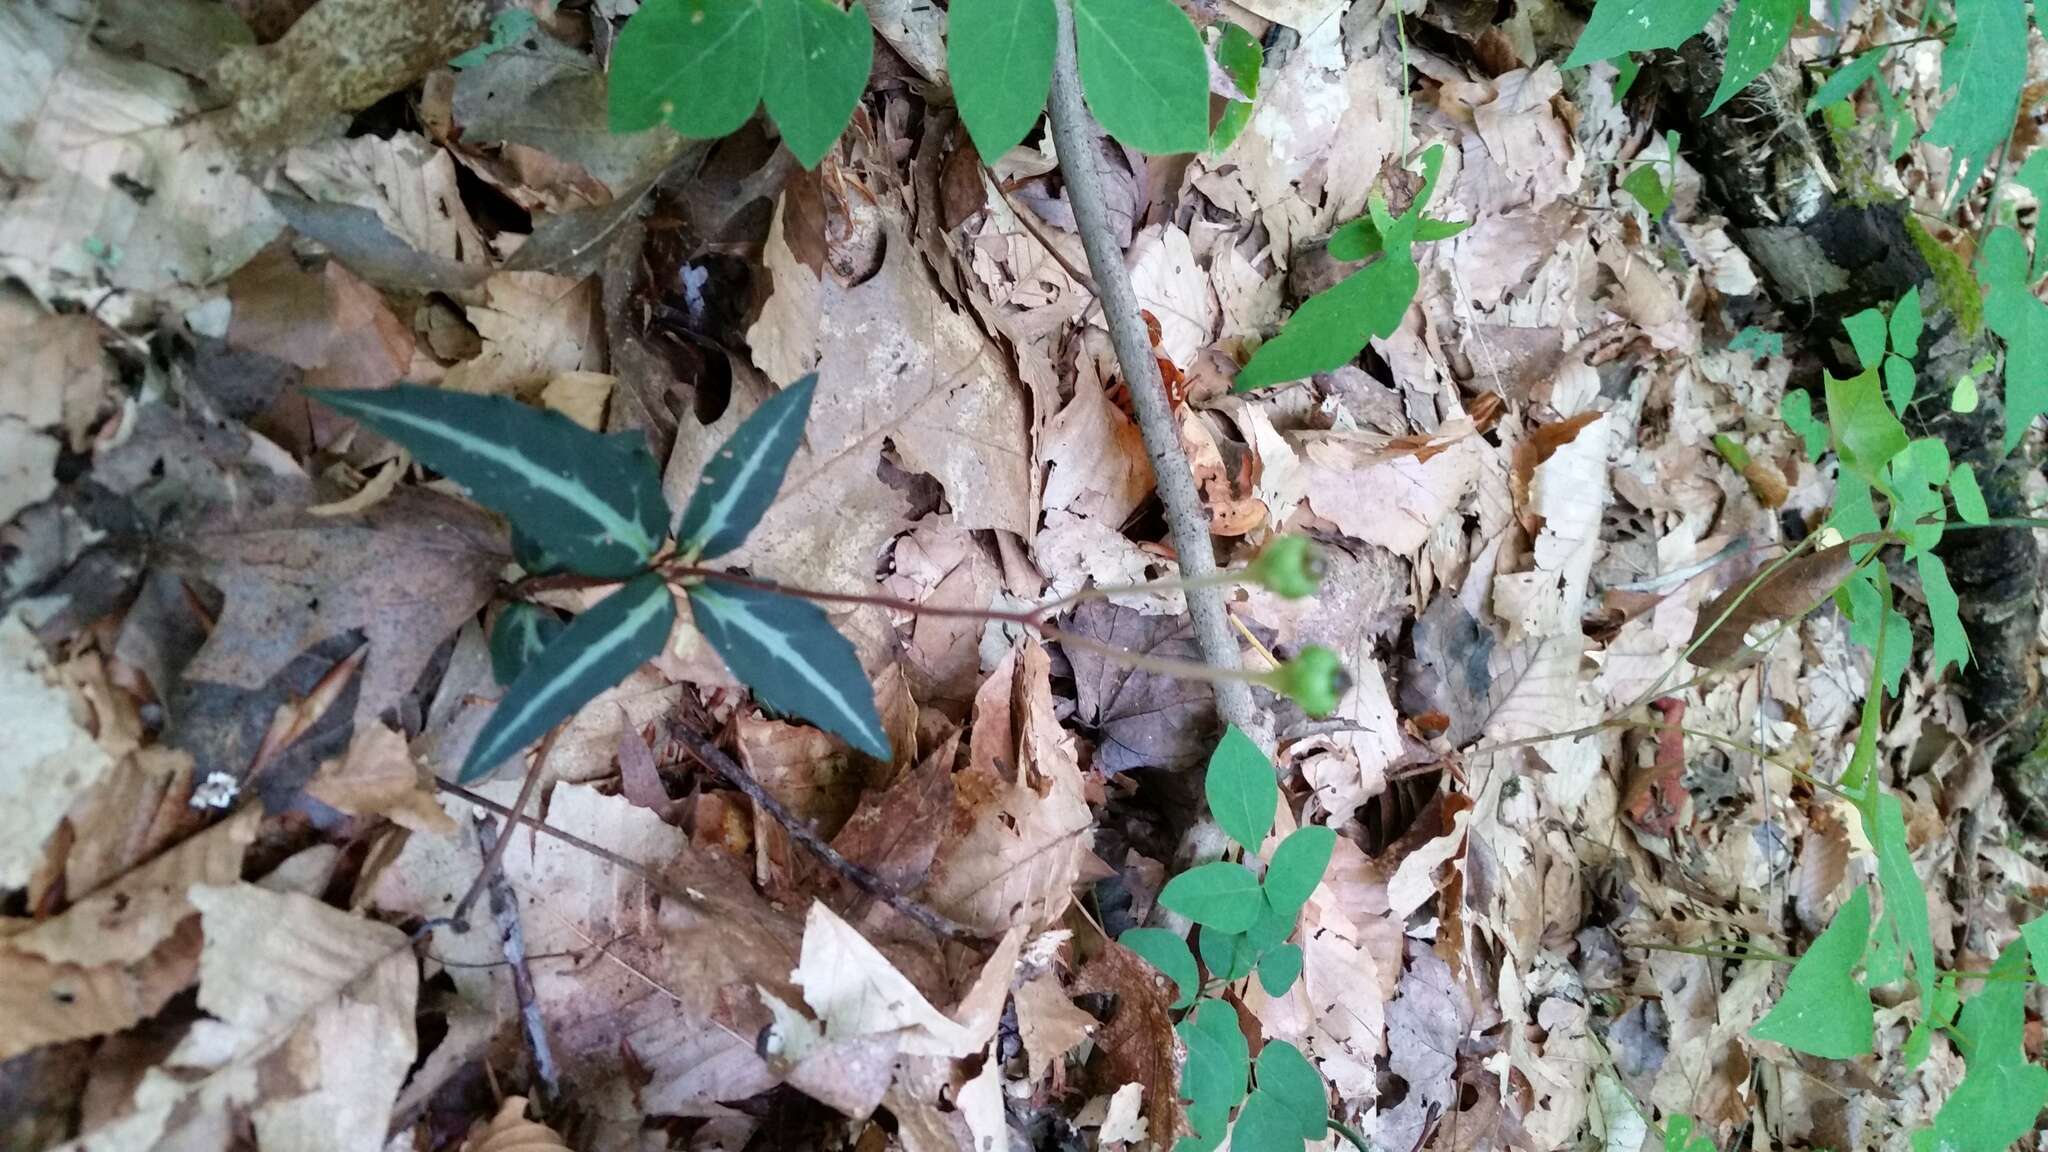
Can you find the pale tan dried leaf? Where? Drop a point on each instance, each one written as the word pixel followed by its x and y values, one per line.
pixel 1094 459
pixel 55 374
pixel 511 1131
pixel 856 991
pixel 1049 1024
pixel 407 181
pixel 28 467
pixel 377 777
pixel 1125 1121
pixel 535 326
pixel 48 760
pixel 1171 285
pixel 1392 503
pixel 43 1003
pixel 581 396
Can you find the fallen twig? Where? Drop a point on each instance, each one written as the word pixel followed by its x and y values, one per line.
pixel 505 909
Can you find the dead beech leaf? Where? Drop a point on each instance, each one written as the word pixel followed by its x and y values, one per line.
pixel 408 573
pixel 856 991
pixel 377 777
pixel 1048 1024
pixel 1795 588
pixel 1021 822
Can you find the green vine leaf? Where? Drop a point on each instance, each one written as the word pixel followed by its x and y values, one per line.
pixel 1944 612
pixel 812 93
pixel 2001 1093
pixel 602 647
pixel 1962 487
pixel 1899 382
pixel 519 637
pixel 1168 953
pixel 1294 1084
pixel 1279 968
pixel 1759 31
pixel 999 54
pixel 1297 867
pixel 1242 792
pixel 1145 73
pixel 594 502
pixel 1867 335
pixel 1796 410
pixel 2021 320
pixel 1907 323
pixel 1648 189
pixel 1846 80
pixel 696 64
pixel 1824 1011
pixel 1985 63
pixel 1222 894
pixel 1867 434
pixel 787 653
pixel 741 479
pixel 1620 26
pixel 1905 899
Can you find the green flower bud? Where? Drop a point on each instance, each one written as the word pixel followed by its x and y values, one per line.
pixel 1290 566
pixel 1315 680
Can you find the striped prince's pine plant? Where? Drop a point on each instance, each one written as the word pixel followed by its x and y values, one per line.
pixel 589 508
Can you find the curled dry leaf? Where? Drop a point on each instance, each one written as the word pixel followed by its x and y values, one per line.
pixel 1787 592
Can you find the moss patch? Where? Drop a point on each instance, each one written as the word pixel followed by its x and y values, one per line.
pixel 1953 280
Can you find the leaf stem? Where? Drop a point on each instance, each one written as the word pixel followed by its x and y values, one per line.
pixel 1345 1130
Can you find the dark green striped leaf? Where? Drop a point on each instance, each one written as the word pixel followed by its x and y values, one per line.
pixel 743 476
pixel 593 502
pixel 602 647
pixel 788 653
pixel 519 637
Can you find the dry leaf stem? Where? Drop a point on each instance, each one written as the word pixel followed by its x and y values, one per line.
pixel 1074 135
pixel 505 909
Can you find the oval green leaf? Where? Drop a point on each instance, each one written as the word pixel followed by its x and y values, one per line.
pixel 1332 327
pixel 812 91
pixel 602 647
pixel 741 479
pixel 787 652
pixel 1278 969
pixel 521 634
pixel 696 64
pixel 1242 792
pixel 1962 486
pixel 593 502
pixel 1219 1060
pixel 1297 867
pixel 999 54
pixel 1287 1076
pixel 1222 895
pixel 1168 953
pixel 1145 73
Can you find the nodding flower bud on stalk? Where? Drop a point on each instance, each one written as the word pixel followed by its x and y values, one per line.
pixel 1315 680
pixel 1289 566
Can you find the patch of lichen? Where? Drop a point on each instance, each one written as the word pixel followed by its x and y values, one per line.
pixel 1953 280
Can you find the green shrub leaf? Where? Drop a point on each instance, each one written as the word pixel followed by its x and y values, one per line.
pixel 594 502
pixel 1168 953
pixel 1286 1075
pixel 1759 31
pixel 786 651
pixel 519 637
pixel 1241 790
pixel 1278 969
pixel 1867 433
pixel 1219 1060
pixel 696 64
pixel 1297 867
pixel 1985 63
pixel 1944 612
pixel 999 54
pixel 1222 895
pixel 1867 335
pixel 602 647
pixel 1620 26
pixel 1263 1125
pixel 824 55
pixel 741 479
pixel 1824 1011
pixel 1899 381
pixel 1270 928
pixel 2001 1093
pixel 1797 412
pixel 1905 900
pixel 2021 320
pixel 1145 73
pixel 1332 327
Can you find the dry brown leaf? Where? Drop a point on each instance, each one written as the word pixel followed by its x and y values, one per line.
pixel 328 322
pixel 377 777
pixel 856 991
pixel 1137 1044
pixel 407 181
pixel 581 396
pixel 48 759
pixel 55 374
pixel 1143 719
pixel 1021 822
pixel 535 327
pixel 28 466
pixel 1392 503
pixel 1094 459
pixel 895 833
pixel 511 1131
pixel 1793 589
pixel 943 566
pixel 1048 1024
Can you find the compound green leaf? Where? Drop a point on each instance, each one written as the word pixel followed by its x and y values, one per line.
pixel 1286 1075
pixel 594 502
pixel 1937 1017
pixel 698 65
pixel 1867 433
pixel 1867 335
pixel 1907 323
pixel 519 637
pixel 1297 867
pixel 1168 953
pixel 1824 1011
pixel 741 479
pixel 1222 894
pixel 1962 486
pixel 600 648
pixel 2001 1093
pixel 1263 1125
pixel 812 92
pixel 1145 73
pixel 999 54
pixel 1944 612
pixel 786 651
pixel 1620 26
pixel 1279 968
pixel 1332 327
pixel 1227 955
pixel 1846 80
pixel 1797 412
pixel 1241 789
pixel 1985 64
pixel 1272 927
pixel 1759 31
pixel 1219 1060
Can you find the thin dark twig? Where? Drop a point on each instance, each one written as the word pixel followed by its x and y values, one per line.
pixel 708 754
pixel 496 852
pixel 512 936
